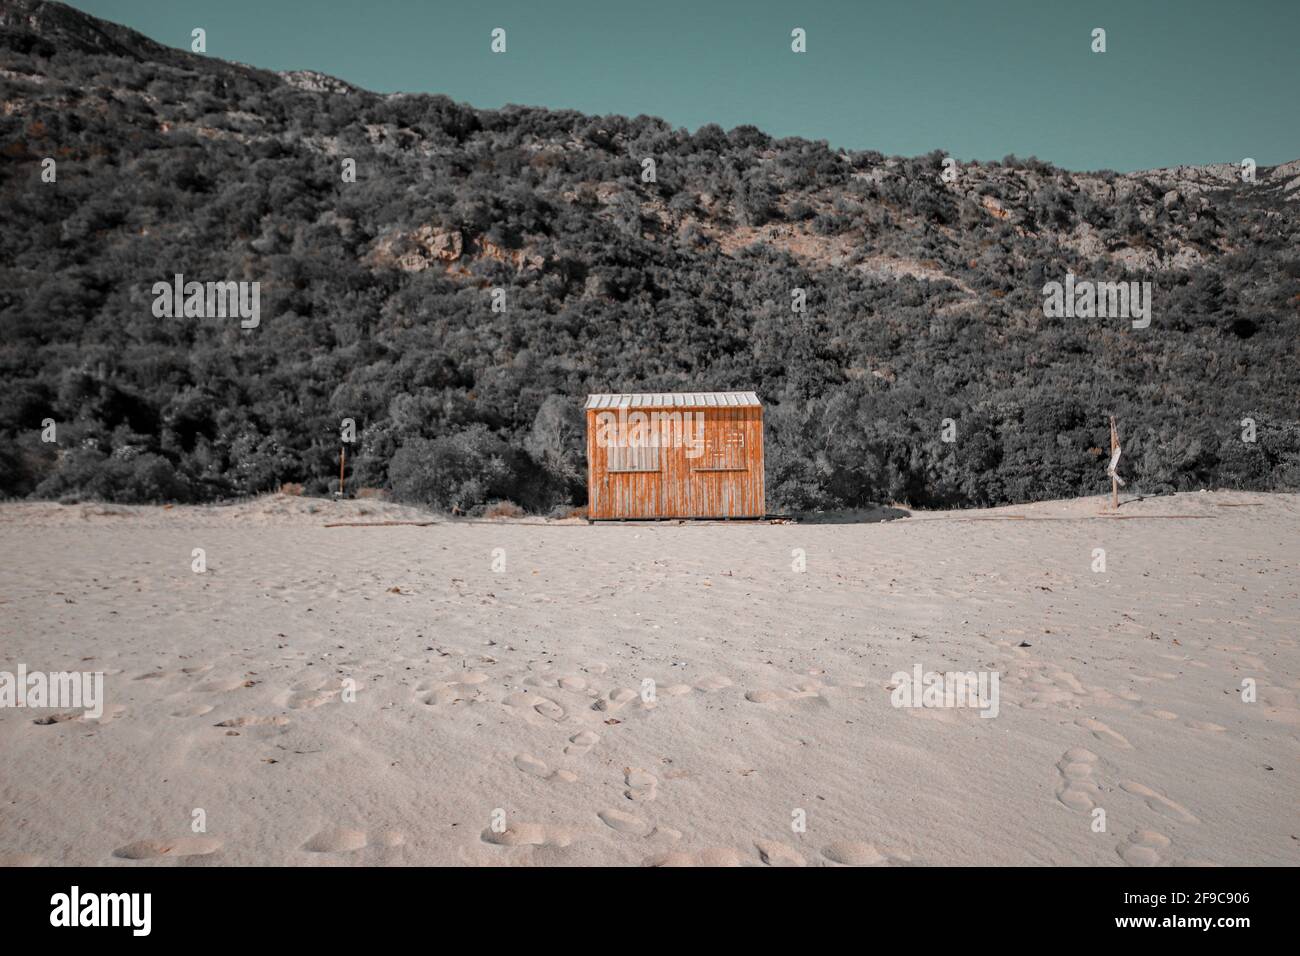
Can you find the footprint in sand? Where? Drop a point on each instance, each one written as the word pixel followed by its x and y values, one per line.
pixel 854 690
pixel 581 742
pixel 642 785
pixel 1205 726
pixel 537 768
pixel 253 721
pixel 1077 789
pixel 336 840
pixel 1102 732
pixel 111 713
pixel 222 686
pixel 527 834
pixel 549 709
pixel 1159 802
pixel 1142 848
pixel 466 687
pixel 198 710
pixel 442 696
pixel 49 719
pixel 624 822
pixel 311 682
pixel 616 699
pixel 1057 687
pixel 531 765
pixel 715 682
pixel 1161 714
pixel 854 853
pixel 768 696
pixel 572 682
pixel 182 846
pixel 778 854
pixel 1048 697
pixel 531 706
pixel 716 856
pixel 306 700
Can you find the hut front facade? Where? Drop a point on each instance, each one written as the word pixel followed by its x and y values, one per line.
pixel 675 455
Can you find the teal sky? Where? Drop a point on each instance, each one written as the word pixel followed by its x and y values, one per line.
pixel 1181 82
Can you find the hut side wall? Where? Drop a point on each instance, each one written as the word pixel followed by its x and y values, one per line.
pixel 709 486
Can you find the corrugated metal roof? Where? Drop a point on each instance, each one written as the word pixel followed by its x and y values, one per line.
pixel 675 400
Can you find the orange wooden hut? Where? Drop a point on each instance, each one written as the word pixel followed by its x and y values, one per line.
pixel 675 455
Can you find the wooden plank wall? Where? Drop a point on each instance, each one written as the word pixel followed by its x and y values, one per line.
pixel 726 482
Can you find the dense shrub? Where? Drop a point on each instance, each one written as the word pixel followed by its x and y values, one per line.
pixel 456 473
pixel 88 473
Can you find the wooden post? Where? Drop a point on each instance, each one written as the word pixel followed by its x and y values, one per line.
pixel 343 459
pixel 1114 462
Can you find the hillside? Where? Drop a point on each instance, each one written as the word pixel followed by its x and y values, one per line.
pixel 924 297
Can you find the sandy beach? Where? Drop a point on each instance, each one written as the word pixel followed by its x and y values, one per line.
pixel 552 693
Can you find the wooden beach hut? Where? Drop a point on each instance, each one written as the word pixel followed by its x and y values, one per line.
pixel 675 455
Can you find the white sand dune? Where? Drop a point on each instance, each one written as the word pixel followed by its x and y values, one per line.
pixel 519 696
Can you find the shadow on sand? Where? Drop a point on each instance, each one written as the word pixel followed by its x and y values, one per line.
pixel 854 516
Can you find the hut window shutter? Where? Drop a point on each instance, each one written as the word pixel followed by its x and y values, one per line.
pixel 632 456
pixel 724 450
